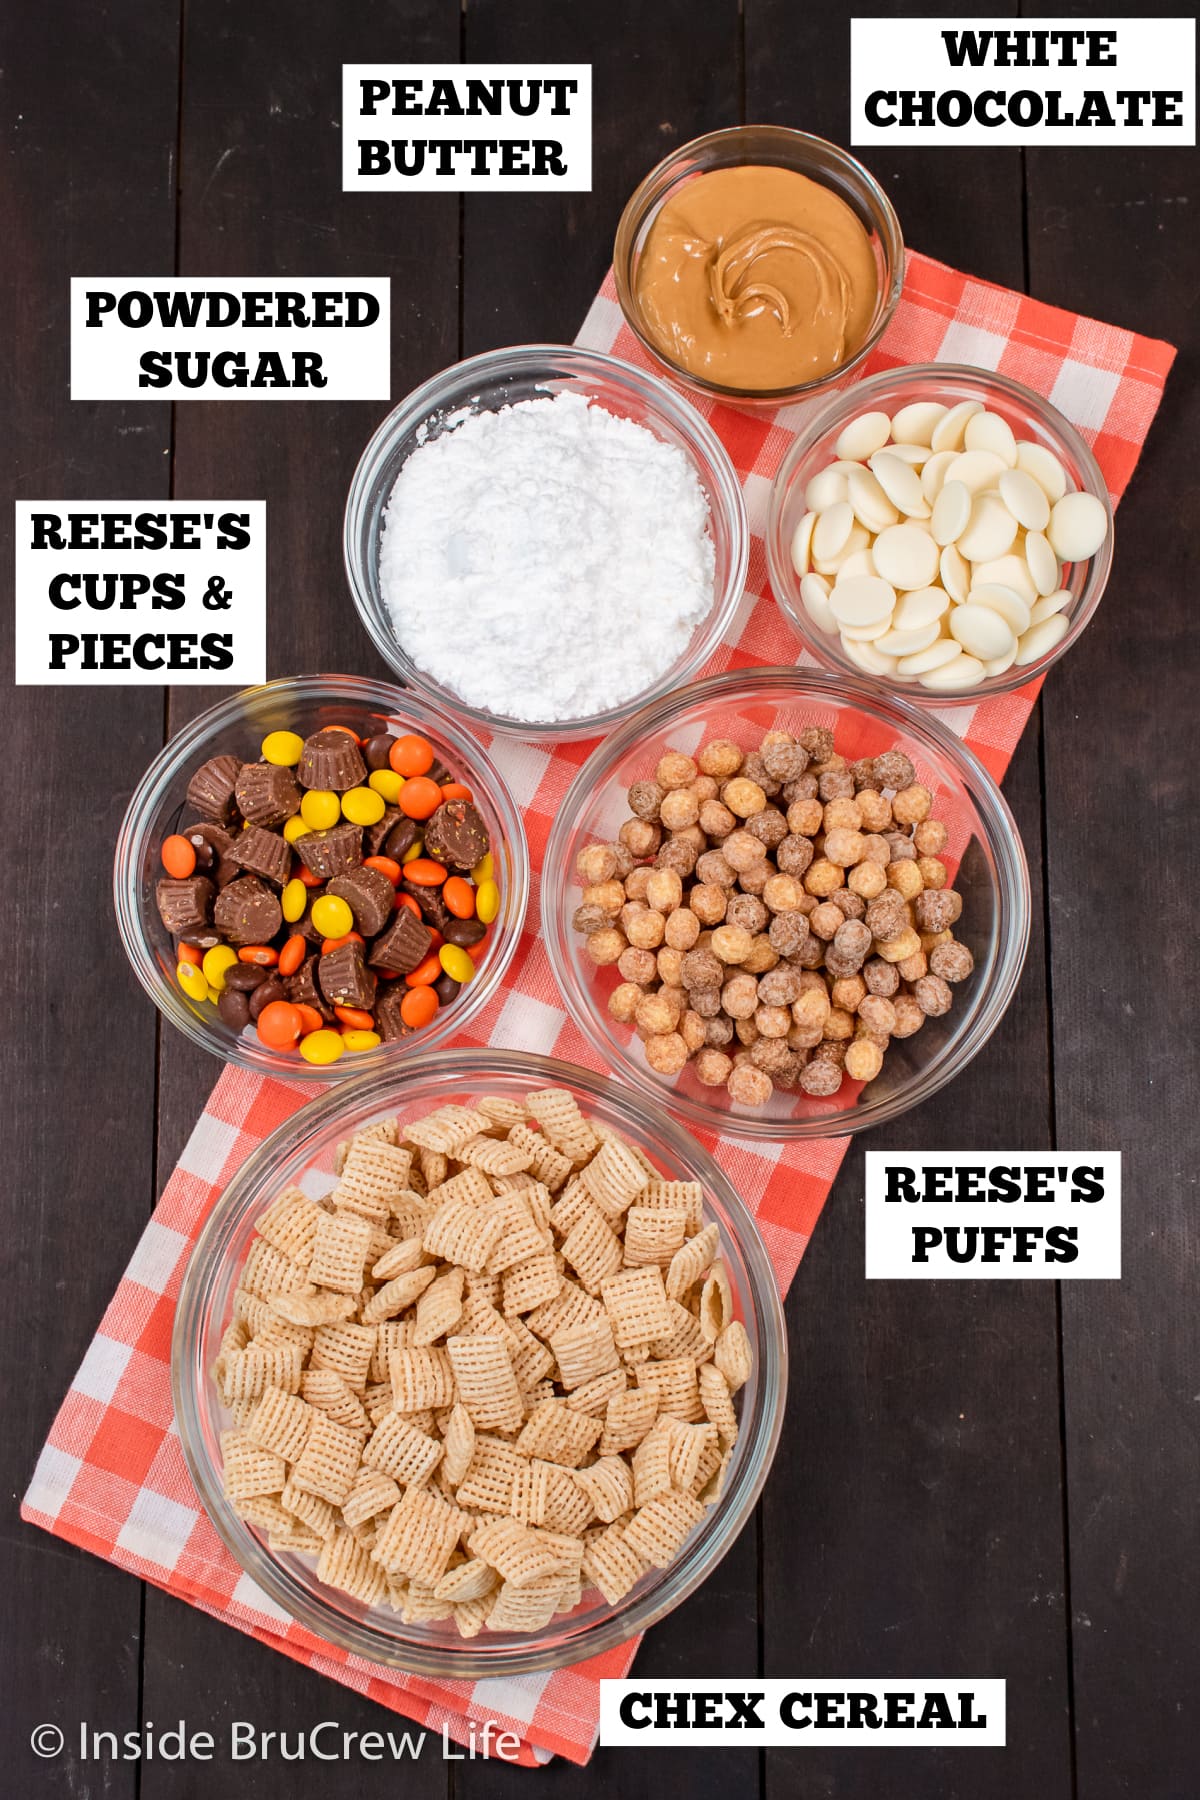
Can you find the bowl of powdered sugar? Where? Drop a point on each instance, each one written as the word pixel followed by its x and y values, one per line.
pixel 545 538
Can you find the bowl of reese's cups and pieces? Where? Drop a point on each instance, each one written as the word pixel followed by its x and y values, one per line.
pixel 317 871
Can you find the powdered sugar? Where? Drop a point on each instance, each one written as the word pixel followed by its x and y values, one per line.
pixel 548 560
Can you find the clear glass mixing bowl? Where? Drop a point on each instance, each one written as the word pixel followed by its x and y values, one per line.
pixel 238 724
pixel 303 1149
pixel 983 845
pixel 502 378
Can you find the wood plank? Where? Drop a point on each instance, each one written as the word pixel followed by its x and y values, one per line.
pixel 1112 235
pixel 913 1519
pixel 533 262
pixel 531 266
pixel 261 193
pixel 89 192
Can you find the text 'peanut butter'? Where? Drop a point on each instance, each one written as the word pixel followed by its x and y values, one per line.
pixel 756 278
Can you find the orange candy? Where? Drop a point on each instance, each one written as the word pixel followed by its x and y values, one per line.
pixel 418 1006
pixel 262 955
pixel 355 1016
pixel 188 953
pixel 346 729
pixel 425 872
pixel 419 798
pixel 310 1018
pixel 409 901
pixel 459 896
pixel 411 755
pixel 178 857
pixel 292 954
pixel 478 951
pixel 351 937
pixel 280 1024
pixel 454 790
pixel 306 876
pixel 386 866
pixel 425 973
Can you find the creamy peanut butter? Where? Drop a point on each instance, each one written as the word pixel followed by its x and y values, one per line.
pixel 756 277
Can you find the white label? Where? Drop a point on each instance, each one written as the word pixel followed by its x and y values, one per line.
pixel 1051 1215
pixel 1009 81
pixel 800 1713
pixel 511 128
pixel 133 594
pixel 163 338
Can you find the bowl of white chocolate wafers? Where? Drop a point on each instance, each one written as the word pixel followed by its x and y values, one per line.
pixel 942 530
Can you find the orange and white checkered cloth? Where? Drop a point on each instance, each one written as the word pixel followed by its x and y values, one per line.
pixel 112 1478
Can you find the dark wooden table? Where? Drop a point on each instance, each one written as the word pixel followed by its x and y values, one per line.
pixel 982 1480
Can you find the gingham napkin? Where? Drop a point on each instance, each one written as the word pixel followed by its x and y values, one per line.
pixel 111 1477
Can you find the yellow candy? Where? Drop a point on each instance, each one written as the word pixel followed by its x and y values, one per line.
pixel 322 1046
pixel 413 851
pixel 216 962
pixel 487 901
pixel 295 828
pixel 387 783
pixel 361 1040
pixel 293 900
pixel 320 809
pixel 363 806
pixel 283 748
pixel 192 981
pixel 456 963
pixel 331 916
pixel 484 869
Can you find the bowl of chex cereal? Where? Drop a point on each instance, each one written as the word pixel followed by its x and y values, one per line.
pixel 479 1370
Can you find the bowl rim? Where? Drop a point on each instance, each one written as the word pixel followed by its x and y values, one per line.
pixel 1013 896
pixel 783 578
pixel 716 1534
pixel 136 831
pixel 430 397
pixel 633 217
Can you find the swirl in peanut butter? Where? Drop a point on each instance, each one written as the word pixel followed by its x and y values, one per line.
pixel 756 278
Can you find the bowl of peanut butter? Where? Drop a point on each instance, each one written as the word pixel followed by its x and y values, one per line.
pixel 759 264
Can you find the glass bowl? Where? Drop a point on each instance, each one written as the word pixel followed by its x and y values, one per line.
pixel 302 1151
pixel 305 704
pixel 1029 415
pixel 778 146
pixel 983 844
pixel 501 378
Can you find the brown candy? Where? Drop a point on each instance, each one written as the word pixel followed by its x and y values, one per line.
pixel 456 835
pixel 369 895
pixel 210 791
pixel 247 912
pixel 332 852
pixel 182 905
pixel 263 853
pixel 388 1022
pixel 400 839
pixel 375 836
pixel 331 760
pixel 212 844
pixel 344 978
pixel 266 794
pixel 234 1008
pixel 403 945
pixel 302 989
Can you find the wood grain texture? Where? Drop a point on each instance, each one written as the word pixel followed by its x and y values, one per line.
pixel 914 1522
pixel 261 194
pixel 89 189
pixel 913 1519
pixel 1122 868
pixel 531 265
